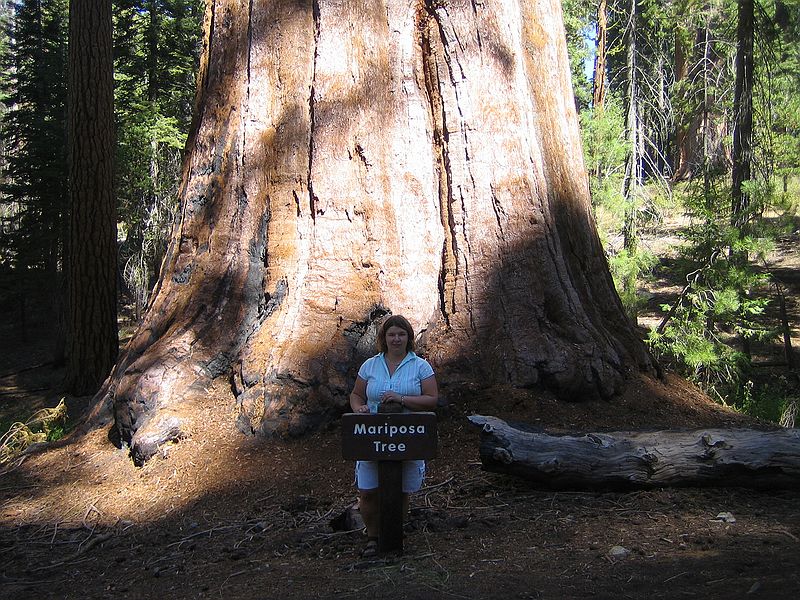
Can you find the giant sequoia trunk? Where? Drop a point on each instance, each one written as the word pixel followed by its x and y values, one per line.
pixel 354 158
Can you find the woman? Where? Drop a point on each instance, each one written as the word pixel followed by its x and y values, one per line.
pixel 394 375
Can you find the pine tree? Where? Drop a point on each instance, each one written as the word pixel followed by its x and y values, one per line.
pixel 34 186
pixel 91 323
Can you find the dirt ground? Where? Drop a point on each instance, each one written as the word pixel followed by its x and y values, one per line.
pixel 221 515
pixel 226 516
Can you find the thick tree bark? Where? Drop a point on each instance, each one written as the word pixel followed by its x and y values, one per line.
pixel 354 158
pixel 91 337
pixel 704 457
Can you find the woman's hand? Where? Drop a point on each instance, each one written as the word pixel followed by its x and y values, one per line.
pixel 390 396
pixel 363 409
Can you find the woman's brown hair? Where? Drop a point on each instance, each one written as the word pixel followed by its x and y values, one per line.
pixel 395 321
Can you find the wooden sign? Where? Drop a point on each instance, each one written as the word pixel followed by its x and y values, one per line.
pixel 396 436
pixel 389 438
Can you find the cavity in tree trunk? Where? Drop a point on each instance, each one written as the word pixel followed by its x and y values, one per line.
pixel 353 158
pixel 91 339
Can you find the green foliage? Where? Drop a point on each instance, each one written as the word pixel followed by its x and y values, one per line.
pixel 604 144
pixel 578 15
pixel 604 151
pixel 691 347
pixel 723 372
pixel 724 303
pixel 157 45
pixel 157 48
pixel 628 270
pixel 34 184
pixel 776 102
pixel 769 401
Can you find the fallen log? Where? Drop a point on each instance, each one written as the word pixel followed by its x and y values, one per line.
pixel 627 459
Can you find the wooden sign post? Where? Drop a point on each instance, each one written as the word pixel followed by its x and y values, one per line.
pixel 389 439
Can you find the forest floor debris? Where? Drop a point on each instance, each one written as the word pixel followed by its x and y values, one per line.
pixel 249 518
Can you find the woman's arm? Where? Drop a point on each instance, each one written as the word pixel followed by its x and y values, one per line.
pixel 426 400
pixel 358 397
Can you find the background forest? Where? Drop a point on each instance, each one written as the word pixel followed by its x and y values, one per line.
pixel 690 113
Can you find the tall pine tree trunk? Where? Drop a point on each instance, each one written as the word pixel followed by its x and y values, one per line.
pixel 742 155
pixel 91 340
pixel 358 157
pixel 633 180
pixel 743 115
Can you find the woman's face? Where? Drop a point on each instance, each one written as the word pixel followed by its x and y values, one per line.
pixel 396 338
